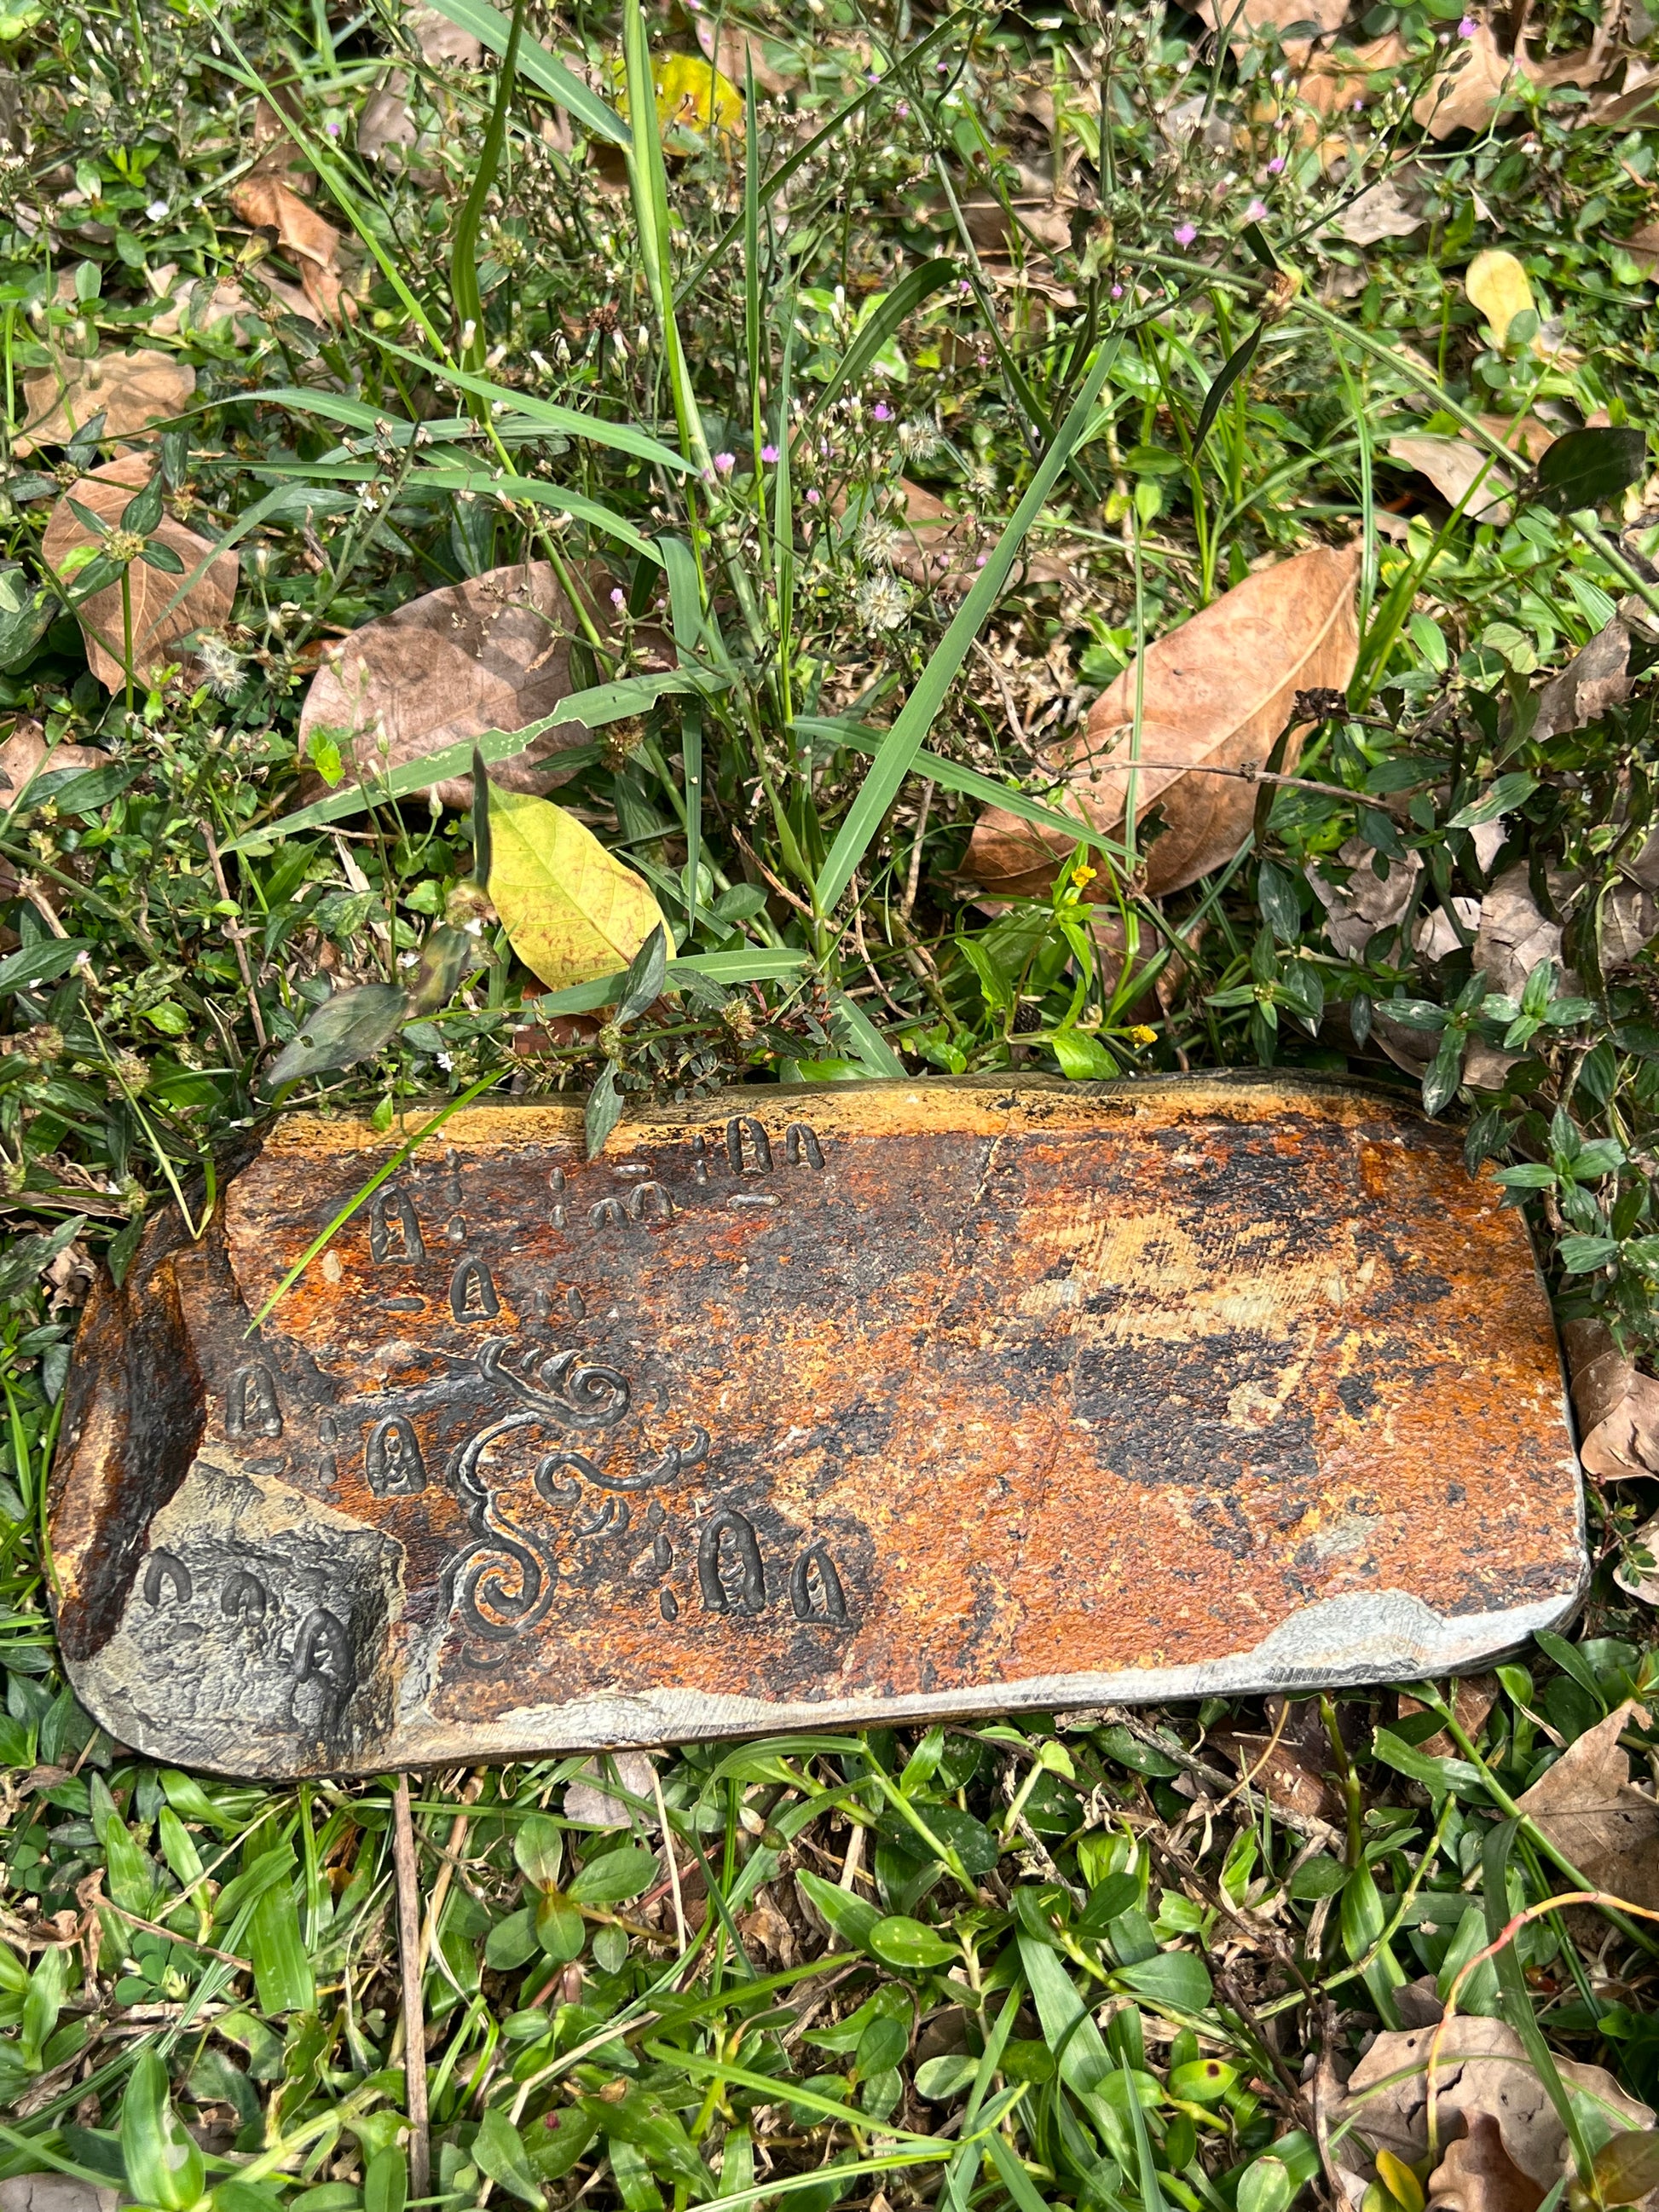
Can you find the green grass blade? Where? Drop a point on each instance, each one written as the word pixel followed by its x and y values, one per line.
pixel 622 437
pixel 544 72
pixel 896 757
pixel 900 303
pixel 754 964
pixel 606 702
pixel 951 776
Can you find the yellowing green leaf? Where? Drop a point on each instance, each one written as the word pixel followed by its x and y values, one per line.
pixel 693 95
pixel 1496 284
pixel 571 909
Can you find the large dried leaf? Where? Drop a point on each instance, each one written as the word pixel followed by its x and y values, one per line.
pixel 492 654
pixel 588 1803
pixel 1218 692
pixel 131 391
pixel 155 629
pixel 1617 1405
pixel 1477 2174
pixel 1594 1815
pixel 1596 678
pixel 1464 95
pixel 572 910
pixel 1483 2067
pixel 264 201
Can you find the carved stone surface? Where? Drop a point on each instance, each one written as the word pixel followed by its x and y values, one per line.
pixel 809 1406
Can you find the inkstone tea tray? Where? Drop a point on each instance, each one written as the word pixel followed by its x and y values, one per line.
pixel 809 1407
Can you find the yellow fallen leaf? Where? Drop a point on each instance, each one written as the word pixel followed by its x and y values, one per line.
pixel 1496 284
pixel 571 909
pixel 695 95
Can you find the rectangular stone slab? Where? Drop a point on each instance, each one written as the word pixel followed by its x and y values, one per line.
pixel 859 1402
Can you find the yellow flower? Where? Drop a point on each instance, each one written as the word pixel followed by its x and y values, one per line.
pixel 1141 1035
pixel 1083 873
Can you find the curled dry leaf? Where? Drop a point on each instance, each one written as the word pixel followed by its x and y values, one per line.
pixel 264 201
pixel 24 755
pixel 1596 1817
pixel 570 908
pixel 1617 1405
pixel 588 1803
pixel 1476 1696
pixel 1514 934
pixel 157 625
pixel 492 654
pixel 1483 2069
pixel 131 391
pixel 1477 2174
pixel 1218 693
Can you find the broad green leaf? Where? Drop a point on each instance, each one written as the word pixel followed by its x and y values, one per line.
pixel 851 1918
pixel 1202 2081
pixel 1587 468
pixel 1068 2027
pixel 511 1941
pixel 939 2078
pixel 1173 1978
pixel 910 1945
pixel 499 2153
pixel 1265 2186
pixel 163 2165
pixel 572 910
pixel 282 1967
pixel 350 1026
pixel 539 1847
pixel 616 1877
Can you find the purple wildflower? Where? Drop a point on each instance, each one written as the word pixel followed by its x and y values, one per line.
pixel 1184 233
pixel 1467 28
pixel 1256 210
pixel 812 496
pixel 725 462
pixel 1276 166
pixel 769 454
pixel 619 597
pixel 882 411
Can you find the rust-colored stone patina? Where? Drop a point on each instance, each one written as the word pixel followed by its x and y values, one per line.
pixel 798 1407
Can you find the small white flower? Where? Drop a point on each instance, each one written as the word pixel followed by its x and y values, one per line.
pixel 443 1061
pixel 917 439
pixel 878 541
pixel 221 667
pixel 882 602
pixel 157 210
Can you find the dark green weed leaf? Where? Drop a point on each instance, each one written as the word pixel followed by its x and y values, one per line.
pixel 1587 468
pixel 164 2167
pixel 1173 1978
pixel 614 1876
pixel 498 2150
pixel 348 1027
pixel 605 1110
pixel 910 1945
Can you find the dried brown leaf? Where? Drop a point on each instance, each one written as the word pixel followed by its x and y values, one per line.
pixel 590 1804
pixel 1218 692
pixel 1335 81
pixel 264 201
pixel 1617 1405
pixel 1596 678
pixel 1642 1582
pixel 1453 466
pixel 491 653
pixel 1476 1696
pixel 1383 210
pixel 1591 1811
pixel 1477 2174
pixel 157 625
pixel 1464 95
pixel 24 754
pixel 132 391
pixel 1483 2069
pixel 1642 247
